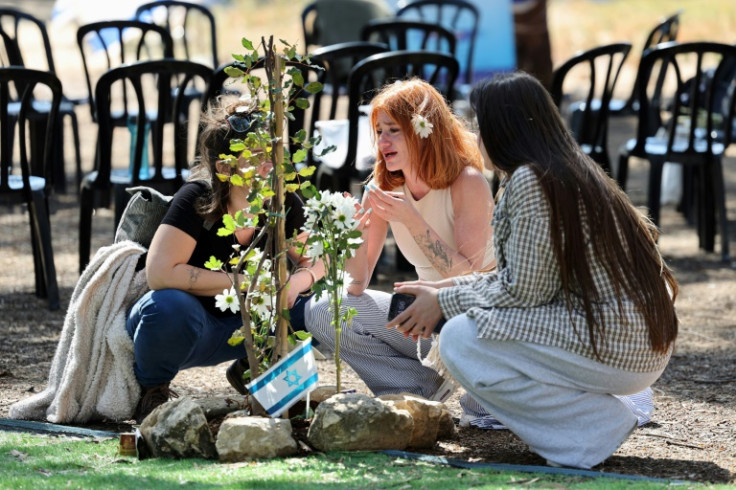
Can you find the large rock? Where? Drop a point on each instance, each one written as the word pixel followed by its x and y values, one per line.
pixel 432 420
pixel 220 406
pixel 178 429
pixel 242 438
pixel 322 393
pixel 354 422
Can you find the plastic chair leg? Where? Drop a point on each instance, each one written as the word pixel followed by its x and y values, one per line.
pixel 604 161
pixel 708 211
pixel 77 152
pixel 655 189
pixel 42 230
pixel 39 282
pixel 86 207
pixel 720 195
pixel 622 172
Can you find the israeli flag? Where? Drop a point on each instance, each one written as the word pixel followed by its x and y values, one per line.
pixel 287 381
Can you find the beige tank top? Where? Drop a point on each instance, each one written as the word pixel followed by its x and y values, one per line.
pixel 436 208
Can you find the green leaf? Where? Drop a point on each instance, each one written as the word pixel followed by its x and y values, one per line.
pixel 234 72
pixel 291 187
pixel 307 171
pixel 235 340
pixel 302 335
pixel 313 87
pixel 300 136
pixel 213 264
pixel 237 145
pixel 239 57
pixel 308 190
pixel 296 76
pixel 327 150
pixel 299 156
pixel 247 44
pixel 302 103
pixel 236 179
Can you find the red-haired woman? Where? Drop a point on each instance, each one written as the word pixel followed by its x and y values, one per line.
pixel 428 187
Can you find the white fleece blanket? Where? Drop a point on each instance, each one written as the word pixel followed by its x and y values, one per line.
pixel 91 376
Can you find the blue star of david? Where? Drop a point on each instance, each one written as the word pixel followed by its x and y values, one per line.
pixel 292 378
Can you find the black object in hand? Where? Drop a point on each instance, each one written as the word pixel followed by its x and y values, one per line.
pixel 400 302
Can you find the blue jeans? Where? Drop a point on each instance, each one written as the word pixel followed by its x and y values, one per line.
pixel 172 331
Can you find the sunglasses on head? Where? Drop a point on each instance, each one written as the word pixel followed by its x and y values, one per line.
pixel 242 123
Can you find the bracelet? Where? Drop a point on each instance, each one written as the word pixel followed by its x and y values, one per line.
pixel 314 279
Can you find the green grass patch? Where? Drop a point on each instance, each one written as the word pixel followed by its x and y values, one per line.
pixel 38 461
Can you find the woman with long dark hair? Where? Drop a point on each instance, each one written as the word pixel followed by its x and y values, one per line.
pixel 581 306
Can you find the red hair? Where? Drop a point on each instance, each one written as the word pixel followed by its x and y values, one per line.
pixel 437 159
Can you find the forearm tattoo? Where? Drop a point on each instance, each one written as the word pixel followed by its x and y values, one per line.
pixel 439 254
pixel 193 276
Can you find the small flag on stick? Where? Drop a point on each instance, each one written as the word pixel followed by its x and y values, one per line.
pixel 287 381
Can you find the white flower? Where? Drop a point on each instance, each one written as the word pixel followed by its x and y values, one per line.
pixel 422 127
pixel 343 210
pixel 228 299
pixel 315 250
pixel 260 304
pixel 342 289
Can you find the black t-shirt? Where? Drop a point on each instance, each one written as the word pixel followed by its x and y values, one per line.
pixel 182 214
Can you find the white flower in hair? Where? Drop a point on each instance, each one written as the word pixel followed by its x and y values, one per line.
pixel 422 127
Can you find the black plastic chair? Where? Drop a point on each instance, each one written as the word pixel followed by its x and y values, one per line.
pixel 150 85
pixel 109 44
pixel 595 73
pixel 338 60
pixel 366 79
pixel 15 24
pixel 18 183
pixel 665 31
pixel 327 22
pixel 458 16
pixel 402 35
pixel 691 136
pixel 191 25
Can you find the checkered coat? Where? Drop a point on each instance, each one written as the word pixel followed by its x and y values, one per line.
pixel 523 299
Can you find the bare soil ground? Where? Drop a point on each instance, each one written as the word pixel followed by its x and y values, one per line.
pixel 694 424
pixel 693 430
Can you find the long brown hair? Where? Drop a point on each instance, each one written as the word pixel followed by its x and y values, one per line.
pixel 520 125
pixel 441 156
pixel 214 140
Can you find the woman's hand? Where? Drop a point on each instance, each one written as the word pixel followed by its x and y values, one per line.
pixel 374 230
pixel 421 317
pixel 391 206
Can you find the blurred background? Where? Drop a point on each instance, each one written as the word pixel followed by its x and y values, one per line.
pixel 573 25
